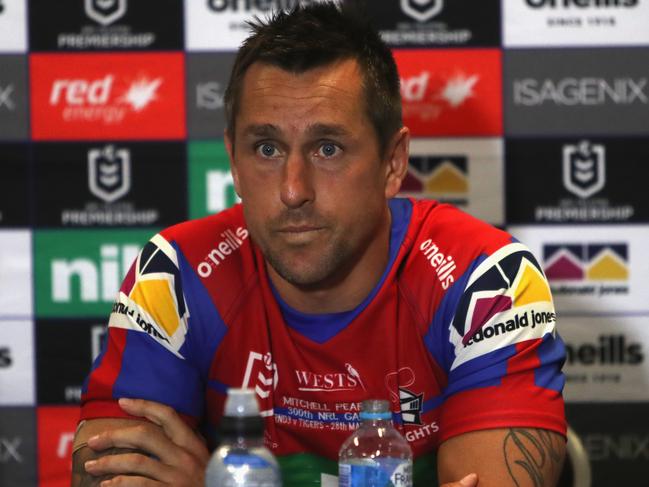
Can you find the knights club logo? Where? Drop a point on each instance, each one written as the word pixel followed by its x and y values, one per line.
pixel 410 403
pixel 109 172
pixel 422 10
pixel 584 168
pixel 105 12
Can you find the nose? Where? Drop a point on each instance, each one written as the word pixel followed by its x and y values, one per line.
pixel 297 185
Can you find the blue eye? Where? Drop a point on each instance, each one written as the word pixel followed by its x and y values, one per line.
pixel 328 150
pixel 267 150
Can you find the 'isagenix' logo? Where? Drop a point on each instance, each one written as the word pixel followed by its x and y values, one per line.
pixel 572 91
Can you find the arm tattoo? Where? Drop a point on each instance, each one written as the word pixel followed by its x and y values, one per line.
pixel 81 478
pixel 538 459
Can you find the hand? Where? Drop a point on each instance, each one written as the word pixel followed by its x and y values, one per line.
pixel 178 456
pixel 470 480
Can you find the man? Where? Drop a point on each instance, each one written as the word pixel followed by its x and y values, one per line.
pixel 322 290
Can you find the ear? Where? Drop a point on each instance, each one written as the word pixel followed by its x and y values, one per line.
pixel 397 161
pixel 229 148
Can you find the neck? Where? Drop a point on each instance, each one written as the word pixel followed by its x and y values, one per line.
pixel 342 293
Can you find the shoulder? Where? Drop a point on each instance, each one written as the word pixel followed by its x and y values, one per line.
pixel 476 285
pixel 449 255
pixel 446 243
pixel 201 234
pixel 208 242
pixel 457 228
pixel 213 255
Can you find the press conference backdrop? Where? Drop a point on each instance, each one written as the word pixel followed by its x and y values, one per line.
pixel 530 114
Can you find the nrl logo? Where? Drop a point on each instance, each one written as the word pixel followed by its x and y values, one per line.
pixel 105 12
pixel 109 172
pixel 584 168
pixel 422 10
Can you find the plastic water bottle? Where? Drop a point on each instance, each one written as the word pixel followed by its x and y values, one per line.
pixel 242 460
pixel 375 455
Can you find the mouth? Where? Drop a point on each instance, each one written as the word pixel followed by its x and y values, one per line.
pixel 300 234
pixel 299 229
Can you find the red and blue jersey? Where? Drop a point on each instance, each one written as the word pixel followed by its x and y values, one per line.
pixel 459 334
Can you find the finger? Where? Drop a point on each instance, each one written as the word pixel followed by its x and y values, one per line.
pixel 131 464
pixel 470 480
pixel 167 418
pixel 143 436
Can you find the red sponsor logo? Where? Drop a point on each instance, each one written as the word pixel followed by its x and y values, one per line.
pixel 108 96
pixel 451 91
pixel 56 427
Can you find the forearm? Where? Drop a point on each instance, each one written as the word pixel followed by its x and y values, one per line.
pixel 515 457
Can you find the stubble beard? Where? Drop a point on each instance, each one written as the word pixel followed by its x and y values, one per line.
pixel 314 265
pixel 325 268
pixel 327 263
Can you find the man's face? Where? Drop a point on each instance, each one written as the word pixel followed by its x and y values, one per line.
pixel 307 166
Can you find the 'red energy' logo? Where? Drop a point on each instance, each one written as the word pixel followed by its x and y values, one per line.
pixel 107 96
pixel 451 91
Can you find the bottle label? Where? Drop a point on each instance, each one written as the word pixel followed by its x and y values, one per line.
pixel 377 472
pixel 249 459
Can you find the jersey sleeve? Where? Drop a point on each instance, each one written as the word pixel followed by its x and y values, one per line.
pixel 505 355
pixel 147 353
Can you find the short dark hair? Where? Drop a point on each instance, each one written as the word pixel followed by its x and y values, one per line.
pixel 315 35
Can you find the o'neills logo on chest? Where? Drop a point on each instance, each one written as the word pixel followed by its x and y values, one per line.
pixel 231 241
pixel 444 265
pixel 329 382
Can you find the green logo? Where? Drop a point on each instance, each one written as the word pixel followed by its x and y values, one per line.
pixel 210 183
pixel 79 272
